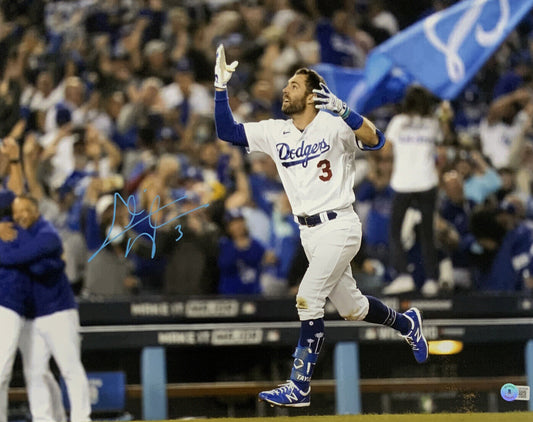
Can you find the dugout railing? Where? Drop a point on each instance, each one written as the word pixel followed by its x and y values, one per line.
pixel 155 324
pixel 346 336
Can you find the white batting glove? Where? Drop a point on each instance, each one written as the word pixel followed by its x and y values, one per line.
pixel 223 71
pixel 325 100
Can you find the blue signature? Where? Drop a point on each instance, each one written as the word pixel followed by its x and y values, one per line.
pixel 131 205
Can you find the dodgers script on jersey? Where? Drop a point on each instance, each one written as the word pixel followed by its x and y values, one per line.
pixel 316 166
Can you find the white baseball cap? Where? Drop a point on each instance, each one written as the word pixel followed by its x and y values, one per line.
pixel 103 204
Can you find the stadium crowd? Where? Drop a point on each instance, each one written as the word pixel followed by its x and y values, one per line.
pixel 111 103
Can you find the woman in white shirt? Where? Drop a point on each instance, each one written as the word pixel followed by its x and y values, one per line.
pixel 414 134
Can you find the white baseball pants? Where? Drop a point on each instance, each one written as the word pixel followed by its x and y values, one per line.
pixel 46 402
pixel 10 328
pixel 330 247
pixel 59 332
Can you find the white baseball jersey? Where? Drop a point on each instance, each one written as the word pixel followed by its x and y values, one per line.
pixel 316 166
pixel 413 140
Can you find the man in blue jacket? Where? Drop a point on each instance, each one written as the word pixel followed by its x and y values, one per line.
pixel 15 284
pixel 52 304
pixel 12 309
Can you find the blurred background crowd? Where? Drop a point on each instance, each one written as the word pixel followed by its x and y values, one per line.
pixel 116 96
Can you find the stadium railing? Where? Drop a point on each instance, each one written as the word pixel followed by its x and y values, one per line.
pixel 154 324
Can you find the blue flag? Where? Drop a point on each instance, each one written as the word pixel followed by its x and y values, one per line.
pixel 442 52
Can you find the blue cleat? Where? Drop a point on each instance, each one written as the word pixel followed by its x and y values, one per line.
pixel 287 395
pixel 415 337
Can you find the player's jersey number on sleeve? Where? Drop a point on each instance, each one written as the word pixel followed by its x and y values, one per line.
pixel 324 165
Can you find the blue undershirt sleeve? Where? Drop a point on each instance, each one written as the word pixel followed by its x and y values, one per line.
pixel 227 128
pixel 381 142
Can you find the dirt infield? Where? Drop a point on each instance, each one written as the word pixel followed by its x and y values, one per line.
pixel 441 417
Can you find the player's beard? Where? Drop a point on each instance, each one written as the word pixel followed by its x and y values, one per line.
pixel 294 106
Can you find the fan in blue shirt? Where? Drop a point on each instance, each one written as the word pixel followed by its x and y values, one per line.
pixel 456 210
pixel 509 249
pixel 240 259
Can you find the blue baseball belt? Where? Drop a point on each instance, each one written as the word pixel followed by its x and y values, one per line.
pixel 314 220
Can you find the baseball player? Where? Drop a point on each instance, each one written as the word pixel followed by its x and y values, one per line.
pixel 314 154
pixel 56 323
pixel 14 286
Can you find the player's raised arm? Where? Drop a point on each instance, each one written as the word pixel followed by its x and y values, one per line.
pixel 365 131
pixel 227 128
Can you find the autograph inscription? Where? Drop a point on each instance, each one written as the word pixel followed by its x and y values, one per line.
pixel 131 205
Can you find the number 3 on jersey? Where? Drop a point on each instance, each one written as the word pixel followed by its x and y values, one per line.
pixel 324 165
